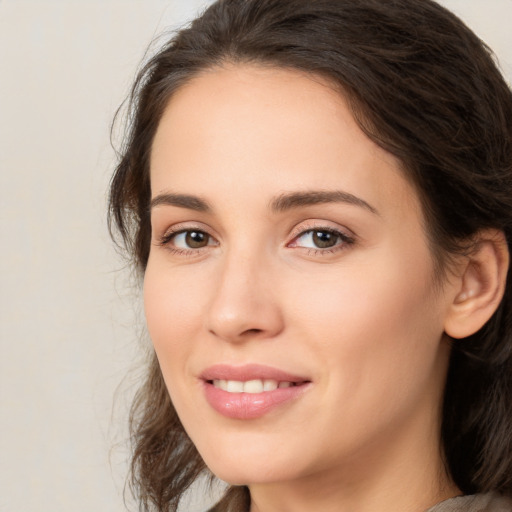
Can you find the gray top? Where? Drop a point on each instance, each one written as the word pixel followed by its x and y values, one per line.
pixel 490 502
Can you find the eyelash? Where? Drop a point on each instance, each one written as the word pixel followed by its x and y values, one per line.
pixel 167 237
pixel 342 242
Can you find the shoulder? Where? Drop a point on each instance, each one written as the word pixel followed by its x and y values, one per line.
pixel 490 502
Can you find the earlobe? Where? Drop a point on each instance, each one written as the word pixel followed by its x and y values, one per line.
pixel 480 287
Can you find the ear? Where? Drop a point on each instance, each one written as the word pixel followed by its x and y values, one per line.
pixel 480 285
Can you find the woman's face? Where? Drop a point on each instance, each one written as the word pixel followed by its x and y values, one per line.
pixel 289 291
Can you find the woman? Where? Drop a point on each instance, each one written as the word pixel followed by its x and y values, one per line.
pixel 319 198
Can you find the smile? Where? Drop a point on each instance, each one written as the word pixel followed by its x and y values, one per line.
pixel 250 391
pixel 251 386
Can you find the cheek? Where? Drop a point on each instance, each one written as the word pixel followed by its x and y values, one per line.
pixel 376 326
pixel 173 316
pixel 173 309
pixel 365 299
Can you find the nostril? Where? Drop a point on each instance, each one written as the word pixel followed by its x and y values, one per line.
pixel 252 331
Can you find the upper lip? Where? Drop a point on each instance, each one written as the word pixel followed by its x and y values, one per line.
pixel 249 372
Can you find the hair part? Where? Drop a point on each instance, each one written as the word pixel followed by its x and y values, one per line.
pixel 422 86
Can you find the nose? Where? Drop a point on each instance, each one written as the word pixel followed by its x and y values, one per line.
pixel 245 304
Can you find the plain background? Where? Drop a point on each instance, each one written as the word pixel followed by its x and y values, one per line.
pixel 70 319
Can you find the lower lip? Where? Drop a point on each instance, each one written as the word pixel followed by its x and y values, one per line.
pixel 248 406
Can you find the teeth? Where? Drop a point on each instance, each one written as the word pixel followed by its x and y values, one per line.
pixel 253 386
pixel 269 385
pixel 250 386
pixel 221 384
pixel 235 386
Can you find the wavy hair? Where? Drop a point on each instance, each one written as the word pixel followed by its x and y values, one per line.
pixel 422 86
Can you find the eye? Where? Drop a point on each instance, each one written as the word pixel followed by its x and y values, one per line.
pixel 191 239
pixel 188 239
pixel 320 239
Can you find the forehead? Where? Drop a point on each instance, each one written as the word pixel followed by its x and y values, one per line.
pixel 251 129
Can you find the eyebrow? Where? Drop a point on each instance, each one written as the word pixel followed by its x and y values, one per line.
pixel 181 201
pixel 309 198
pixel 281 203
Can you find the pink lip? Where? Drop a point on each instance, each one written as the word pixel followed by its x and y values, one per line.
pixel 250 405
pixel 249 372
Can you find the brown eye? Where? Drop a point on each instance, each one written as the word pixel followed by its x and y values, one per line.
pixel 324 239
pixel 196 239
pixel 188 239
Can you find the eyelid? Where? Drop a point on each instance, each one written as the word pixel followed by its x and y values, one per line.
pixel 186 226
pixel 182 227
pixel 317 224
pixel 345 239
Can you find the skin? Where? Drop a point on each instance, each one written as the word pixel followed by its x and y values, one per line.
pixel 363 320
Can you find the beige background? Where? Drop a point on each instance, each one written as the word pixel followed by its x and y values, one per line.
pixel 69 318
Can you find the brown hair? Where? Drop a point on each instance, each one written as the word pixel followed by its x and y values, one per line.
pixel 423 87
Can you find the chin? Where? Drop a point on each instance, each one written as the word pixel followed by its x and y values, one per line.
pixel 247 476
pixel 243 467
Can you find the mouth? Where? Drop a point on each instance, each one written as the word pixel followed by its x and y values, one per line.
pixel 253 386
pixel 250 391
